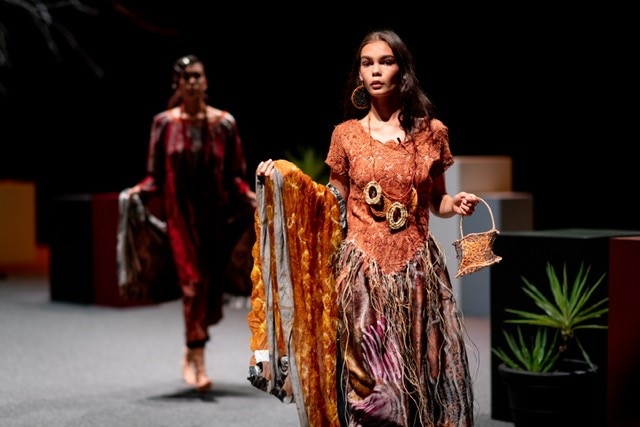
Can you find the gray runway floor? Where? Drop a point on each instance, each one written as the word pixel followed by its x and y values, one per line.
pixel 65 364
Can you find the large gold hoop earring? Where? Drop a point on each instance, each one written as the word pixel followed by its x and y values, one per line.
pixel 359 98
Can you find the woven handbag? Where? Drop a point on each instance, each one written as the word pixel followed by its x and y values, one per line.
pixel 475 250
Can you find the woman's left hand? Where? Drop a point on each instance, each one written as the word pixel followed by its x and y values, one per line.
pixel 465 203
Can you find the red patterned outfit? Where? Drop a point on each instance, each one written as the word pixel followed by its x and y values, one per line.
pixel 199 171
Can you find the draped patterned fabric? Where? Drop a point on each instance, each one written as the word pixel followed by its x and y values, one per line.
pixel 145 269
pixel 294 311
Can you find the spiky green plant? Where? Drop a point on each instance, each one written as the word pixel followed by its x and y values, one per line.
pixel 537 355
pixel 567 311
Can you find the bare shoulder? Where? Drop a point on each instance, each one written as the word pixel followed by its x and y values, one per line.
pixel 173 113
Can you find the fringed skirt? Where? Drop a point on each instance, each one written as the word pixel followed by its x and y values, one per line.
pixel 404 361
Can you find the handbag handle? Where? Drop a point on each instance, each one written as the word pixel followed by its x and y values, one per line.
pixel 493 223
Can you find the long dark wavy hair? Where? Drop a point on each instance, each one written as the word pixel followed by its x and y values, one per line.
pixel 415 104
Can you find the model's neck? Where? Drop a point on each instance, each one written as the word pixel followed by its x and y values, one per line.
pixel 193 108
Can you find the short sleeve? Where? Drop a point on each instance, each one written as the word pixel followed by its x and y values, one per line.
pixel 337 157
pixel 441 142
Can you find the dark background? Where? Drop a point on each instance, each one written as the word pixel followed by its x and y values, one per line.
pixel 550 87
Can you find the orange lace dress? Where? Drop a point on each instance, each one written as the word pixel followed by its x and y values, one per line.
pixel 404 361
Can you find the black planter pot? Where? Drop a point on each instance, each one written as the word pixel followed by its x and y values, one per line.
pixel 564 398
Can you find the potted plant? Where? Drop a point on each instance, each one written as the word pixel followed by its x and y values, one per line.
pixel 548 372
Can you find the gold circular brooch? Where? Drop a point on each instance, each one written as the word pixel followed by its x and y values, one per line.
pixel 396 215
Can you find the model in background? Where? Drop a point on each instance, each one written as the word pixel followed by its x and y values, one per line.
pixel 196 166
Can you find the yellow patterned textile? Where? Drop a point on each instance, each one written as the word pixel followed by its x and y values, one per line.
pixel 293 302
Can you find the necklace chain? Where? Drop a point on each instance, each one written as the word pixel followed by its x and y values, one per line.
pixel 380 204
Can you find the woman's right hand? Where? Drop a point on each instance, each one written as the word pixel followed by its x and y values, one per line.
pixel 265 168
